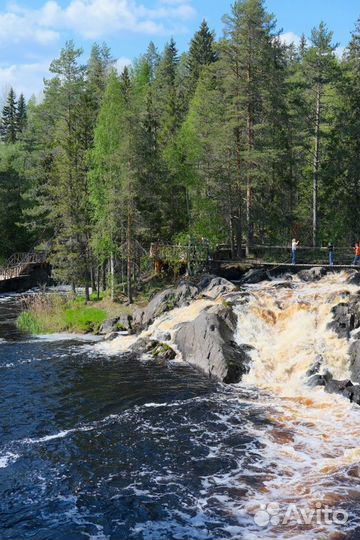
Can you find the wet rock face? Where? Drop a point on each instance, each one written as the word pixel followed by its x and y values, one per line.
pixel 179 296
pixel 345 388
pixel 313 274
pixel 346 318
pixel 355 361
pixel 208 344
pixel 255 276
pixel 116 324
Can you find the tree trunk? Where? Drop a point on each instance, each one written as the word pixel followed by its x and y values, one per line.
pixel 129 255
pixel 316 167
pixel 103 275
pixel 87 292
pixel 98 282
pixel 250 145
pixel 92 277
pixel 112 276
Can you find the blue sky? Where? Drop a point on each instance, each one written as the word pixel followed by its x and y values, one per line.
pixel 33 31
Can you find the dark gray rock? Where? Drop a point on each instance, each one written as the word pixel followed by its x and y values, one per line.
pixel 156 348
pixel 313 274
pixel 111 336
pixel 109 326
pixel 346 317
pixel 218 286
pixel 354 278
pixel 124 322
pixel 344 388
pixel 254 276
pixel 208 344
pixel 355 361
pixel 164 301
pixel 315 368
pixel 116 324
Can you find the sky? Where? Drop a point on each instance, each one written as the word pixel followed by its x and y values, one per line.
pixel 32 32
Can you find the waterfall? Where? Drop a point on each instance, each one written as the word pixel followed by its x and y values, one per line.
pixel 311 447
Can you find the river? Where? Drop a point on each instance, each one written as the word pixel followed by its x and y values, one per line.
pixel 112 446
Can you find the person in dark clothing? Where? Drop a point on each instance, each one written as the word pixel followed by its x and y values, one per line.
pixel 331 253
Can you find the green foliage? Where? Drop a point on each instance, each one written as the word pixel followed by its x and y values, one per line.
pixel 54 313
pixel 224 143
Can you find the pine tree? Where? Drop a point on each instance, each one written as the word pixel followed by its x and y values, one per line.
pixel 9 120
pixel 246 60
pixel 320 67
pixel 68 184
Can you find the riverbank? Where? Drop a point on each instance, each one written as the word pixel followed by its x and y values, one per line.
pixel 50 312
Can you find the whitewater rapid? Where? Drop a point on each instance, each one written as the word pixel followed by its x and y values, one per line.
pixel 314 438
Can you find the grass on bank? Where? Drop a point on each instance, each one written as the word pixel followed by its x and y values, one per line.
pixel 51 313
pixel 47 313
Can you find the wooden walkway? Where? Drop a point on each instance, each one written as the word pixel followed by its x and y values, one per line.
pixel 299 266
pixel 20 263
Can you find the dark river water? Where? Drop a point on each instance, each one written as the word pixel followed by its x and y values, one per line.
pixel 100 447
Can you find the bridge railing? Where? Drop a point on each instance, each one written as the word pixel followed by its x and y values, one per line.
pixel 281 254
pixel 17 263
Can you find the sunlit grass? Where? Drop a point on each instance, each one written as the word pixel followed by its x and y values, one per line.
pixel 46 314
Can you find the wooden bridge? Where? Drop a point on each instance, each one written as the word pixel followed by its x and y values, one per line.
pixel 269 257
pixel 19 263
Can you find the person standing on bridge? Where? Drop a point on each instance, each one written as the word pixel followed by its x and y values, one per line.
pixel 357 254
pixel 331 253
pixel 294 246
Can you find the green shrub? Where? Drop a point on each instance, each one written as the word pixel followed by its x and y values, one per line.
pixel 29 323
pixel 46 313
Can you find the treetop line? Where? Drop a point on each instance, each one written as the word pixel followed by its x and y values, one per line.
pixel 240 139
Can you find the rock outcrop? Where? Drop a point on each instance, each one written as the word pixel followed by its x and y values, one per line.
pixel 180 296
pixel 255 276
pixel 207 343
pixel 313 274
pixel 162 302
pixel 346 317
pixel 116 324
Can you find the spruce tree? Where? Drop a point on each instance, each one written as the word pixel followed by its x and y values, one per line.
pixel 9 120
pixel 320 66
pixel 201 53
pixel 21 114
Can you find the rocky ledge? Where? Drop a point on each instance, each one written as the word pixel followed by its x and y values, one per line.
pixel 206 342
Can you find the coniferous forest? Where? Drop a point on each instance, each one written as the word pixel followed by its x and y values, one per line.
pixel 240 140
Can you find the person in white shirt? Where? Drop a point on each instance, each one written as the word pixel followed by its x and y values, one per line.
pixel 294 246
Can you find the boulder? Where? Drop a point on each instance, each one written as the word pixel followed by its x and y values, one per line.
pixel 218 286
pixel 116 324
pixel 354 278
pixel 355 361
pixel 255 276
pixel 164 301
pixel 313 274
pixel 344 388
pixel 155 348
pixel 346 317
pixel 110 336
pixel 208 344
pixel 109 326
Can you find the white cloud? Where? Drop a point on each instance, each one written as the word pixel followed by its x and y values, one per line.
pixel 25 78
pixel 290 37
pixel 15 28
pixel 121 63
pixel 91 19
pixel 339 51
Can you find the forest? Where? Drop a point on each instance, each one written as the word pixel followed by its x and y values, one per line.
pixel 240 140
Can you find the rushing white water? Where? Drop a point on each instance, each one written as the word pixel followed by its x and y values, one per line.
pixel 312 445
